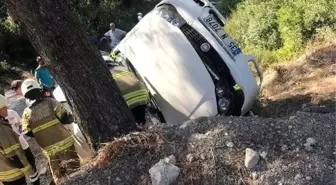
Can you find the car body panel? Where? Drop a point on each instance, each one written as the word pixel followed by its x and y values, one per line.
pixel 158 41
pixel 177 79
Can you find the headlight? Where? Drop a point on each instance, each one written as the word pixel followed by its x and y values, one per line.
pixel 166 14
pixel 223 105
pixel 170 14
pixel 220 92
pixel 223 96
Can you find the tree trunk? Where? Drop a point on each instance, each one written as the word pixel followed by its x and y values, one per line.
pixel 79 69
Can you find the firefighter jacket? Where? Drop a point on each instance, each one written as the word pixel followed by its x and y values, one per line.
pixel 13 162
pixel 42 118
pixel 133 91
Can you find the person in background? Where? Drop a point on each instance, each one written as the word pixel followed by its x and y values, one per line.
pixel 16 87
pixel 43 120
pixel 13 120
pixel 43 76
pixel 115 34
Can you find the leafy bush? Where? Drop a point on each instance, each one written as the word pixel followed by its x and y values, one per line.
pixel 277 30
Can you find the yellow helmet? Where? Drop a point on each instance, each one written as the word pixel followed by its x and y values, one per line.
pixel 28 85
pixel 3 101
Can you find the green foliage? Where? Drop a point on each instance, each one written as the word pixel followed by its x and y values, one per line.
pixel 277 30
pixel 96 15
pixel 227 7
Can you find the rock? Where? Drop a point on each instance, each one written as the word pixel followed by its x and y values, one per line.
pixel 331 168
pixel 164 172
pixel 171 159
pixel 290 126
pixel 118 179
pixel 311 141
pixel 284 148
pixel 251 158
pixel 309 148
pixel 229 144
pixel 190 158
pixel 263 154
pixel 306 144
pixel 297 177
pixel 292 117
pixel 308 178
pixel 254 176
pixel 334 165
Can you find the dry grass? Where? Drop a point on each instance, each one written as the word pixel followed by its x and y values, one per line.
pixel 310 78
pixel 121 146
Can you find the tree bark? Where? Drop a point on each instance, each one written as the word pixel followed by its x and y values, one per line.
pixel 79 69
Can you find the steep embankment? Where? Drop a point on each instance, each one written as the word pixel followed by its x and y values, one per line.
pixel 307 81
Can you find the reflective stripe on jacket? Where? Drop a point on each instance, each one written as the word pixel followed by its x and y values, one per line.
pixel 43 120
pixel 133 91
pixel 10 147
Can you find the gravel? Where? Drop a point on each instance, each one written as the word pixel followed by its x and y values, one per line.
pixel 207 138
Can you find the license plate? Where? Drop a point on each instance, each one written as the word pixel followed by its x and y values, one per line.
pixel 219 30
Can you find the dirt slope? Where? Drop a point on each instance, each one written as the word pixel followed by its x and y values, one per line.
pixel 127 161
pixel 309 80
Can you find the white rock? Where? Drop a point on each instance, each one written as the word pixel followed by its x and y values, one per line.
pixel 308 178
pixel 331 168
pixel 290 126
pixel 190 157
pixel 284 148
pixel 263 154
pixel 297 177
pixel 306 144
pixel 292 117
pixel 254 176
pixel 309 148
pixel 251 158
pixel 118 179
pixel 334 165
pixel 229 144
pixel 311 141
pixel 163 173
pixel 171 159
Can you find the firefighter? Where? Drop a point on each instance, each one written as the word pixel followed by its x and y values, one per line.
pixel 134 92
pixel 13 120
pixel 13 162
pixel 43 120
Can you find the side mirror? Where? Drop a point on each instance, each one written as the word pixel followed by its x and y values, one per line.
pixel 139 16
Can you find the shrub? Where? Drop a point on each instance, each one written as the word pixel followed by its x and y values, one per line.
pixel 277 30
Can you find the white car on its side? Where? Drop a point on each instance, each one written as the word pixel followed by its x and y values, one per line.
pixel 189 63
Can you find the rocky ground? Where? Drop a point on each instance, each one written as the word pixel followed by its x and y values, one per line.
pixel 297 150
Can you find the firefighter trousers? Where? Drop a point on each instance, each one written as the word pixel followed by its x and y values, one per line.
pixel 139 114
pixel 21 181
pixel 64 163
